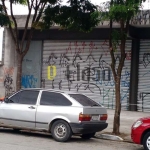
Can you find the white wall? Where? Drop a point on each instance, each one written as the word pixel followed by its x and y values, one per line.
pixel 1 42
pixel 8 69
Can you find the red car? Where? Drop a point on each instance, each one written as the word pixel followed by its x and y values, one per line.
pixel 140 132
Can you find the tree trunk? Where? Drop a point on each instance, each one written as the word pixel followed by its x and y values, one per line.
pixel 116 125
pixel 19 71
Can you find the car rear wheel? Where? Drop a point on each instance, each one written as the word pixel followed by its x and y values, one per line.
pixel 87 136
pixel 61 131
pixel 146 141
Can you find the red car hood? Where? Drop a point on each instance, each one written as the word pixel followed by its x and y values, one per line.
pixel 145 119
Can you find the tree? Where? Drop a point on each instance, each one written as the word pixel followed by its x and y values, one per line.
pixel 80 15
pixel 4 20
pixel 120 11
pixel 50 11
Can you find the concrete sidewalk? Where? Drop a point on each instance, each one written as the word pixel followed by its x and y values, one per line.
pixel 126 121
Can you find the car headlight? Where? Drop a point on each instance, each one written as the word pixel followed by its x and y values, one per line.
pixel 137 124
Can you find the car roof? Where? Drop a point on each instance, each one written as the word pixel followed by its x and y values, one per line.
pixel 49 90
pixel 32 89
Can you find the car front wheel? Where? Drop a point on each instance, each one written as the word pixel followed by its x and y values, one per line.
pixel 146 141
pixel 61 131
pixel 87 136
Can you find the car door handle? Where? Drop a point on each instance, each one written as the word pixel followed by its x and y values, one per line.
pixel 31 107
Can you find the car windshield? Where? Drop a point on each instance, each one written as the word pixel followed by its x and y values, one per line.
pixel 83 100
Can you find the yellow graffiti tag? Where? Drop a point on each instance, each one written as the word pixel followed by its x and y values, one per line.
pixel 51 72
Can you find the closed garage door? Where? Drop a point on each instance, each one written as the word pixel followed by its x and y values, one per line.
pixel 84 67
pixel 144 77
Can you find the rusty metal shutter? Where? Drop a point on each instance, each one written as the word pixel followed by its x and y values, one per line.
pixel 89 70
pixel 144 77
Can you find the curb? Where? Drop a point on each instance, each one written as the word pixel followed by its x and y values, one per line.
pixel 109 137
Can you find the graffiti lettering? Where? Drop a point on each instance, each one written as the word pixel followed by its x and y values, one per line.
pixel 8 81
pixel 53 84
pixel 146 59
pixel 142 18
pixel 29 81
pixel 51 60
pixel 92 46
pixel 105 43
pixel 64 60
pixel 89 58
pixel 60 86
pixel 75 59
pixel 143 96
pixel 90 71
pixel 88 86
pixel 102 63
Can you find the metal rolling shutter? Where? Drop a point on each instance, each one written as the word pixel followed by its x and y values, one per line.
pixel 144 77
pixel 95 78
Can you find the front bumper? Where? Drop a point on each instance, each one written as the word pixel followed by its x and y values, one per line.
pixel 136 136
pixel 83 128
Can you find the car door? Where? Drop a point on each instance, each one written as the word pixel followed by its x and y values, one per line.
pixel 20 110
pixel 51 105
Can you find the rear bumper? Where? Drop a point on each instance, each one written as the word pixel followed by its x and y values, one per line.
pixel 83 128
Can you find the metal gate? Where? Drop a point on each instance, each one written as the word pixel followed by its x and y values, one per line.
pixel 144 77
pixel 84 67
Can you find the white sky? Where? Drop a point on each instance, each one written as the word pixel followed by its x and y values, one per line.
pixel 21 10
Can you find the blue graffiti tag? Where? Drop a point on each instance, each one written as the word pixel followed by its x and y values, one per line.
pixel 125 79
pixel 29 81
pixel 125 82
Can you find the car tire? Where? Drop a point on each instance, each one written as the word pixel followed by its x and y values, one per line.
pixel 16 130
pixel 61 131
pixel 146 141
pixel 87 136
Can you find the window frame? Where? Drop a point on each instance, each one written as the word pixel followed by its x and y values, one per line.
pixel 20 95
pixel 95 104
pixel 30 91
pixel 11 97
pixel 53 104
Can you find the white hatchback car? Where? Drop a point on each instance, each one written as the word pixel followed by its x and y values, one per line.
pixel 60 113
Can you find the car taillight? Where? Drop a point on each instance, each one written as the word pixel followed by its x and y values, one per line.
pixel 103 117
pixel 84 117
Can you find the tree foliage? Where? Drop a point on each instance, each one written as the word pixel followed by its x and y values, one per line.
pixel 4 19
pixel 79 15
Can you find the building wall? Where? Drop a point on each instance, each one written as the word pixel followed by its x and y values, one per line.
pixel 31 67
pixel 31 77
pixel 8 68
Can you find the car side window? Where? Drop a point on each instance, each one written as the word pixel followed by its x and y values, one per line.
pixel 14 98
pixel 28 97
pixel 55 99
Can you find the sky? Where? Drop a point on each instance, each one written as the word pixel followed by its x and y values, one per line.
pixel 22 10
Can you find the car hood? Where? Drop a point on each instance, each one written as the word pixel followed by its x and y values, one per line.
pixel 145 119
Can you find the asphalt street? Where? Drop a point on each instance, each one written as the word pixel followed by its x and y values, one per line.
pixel 11 140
